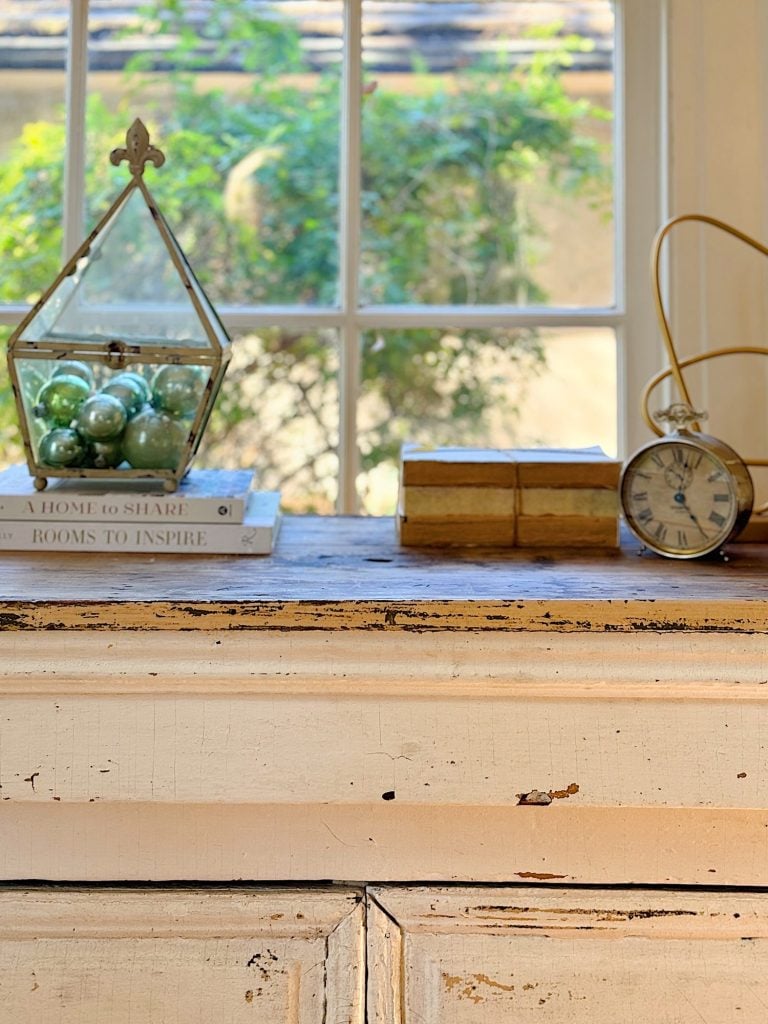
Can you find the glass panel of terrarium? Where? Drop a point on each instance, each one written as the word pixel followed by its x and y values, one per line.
pixel 243 99
pixel 10 437
pixel 127 288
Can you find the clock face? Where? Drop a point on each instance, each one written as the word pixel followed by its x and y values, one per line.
pixel 679 498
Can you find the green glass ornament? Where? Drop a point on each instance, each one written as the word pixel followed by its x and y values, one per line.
pixel 178 389
pixel 128 391
pixel 61 447
pixel 74 368
pixel 105 454
pixel 60 398
pixel 154 440
pixel 101 417
pixel 139 381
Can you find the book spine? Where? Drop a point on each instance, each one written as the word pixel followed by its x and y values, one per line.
pixel 123 508
pixel 117 537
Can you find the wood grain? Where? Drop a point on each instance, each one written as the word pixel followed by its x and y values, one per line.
pixel 350 573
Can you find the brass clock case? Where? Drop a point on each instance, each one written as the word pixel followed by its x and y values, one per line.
pixel 686 495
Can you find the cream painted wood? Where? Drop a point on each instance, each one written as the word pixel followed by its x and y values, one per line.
pixel 659 751
pixel 718 146
pixel 161 956
pixel 558 843
pixel 641 101
pixel 492 956
pixel 353 710
pixel 651 721
pixel 722 665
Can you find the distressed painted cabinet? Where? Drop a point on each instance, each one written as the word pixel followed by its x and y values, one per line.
pixel 527 956
pixel 122 957
pixel 349 715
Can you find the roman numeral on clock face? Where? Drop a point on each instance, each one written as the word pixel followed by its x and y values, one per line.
pixel 716 518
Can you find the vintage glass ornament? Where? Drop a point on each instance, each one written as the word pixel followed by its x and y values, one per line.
pixel 76 369
pixel 60 398
pixel 101 417
pixel 127 391
pixel 177 389
pixel 62 447
pixel 116 368
pixel 153 439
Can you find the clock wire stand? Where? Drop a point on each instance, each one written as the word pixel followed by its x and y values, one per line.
pixel 677 365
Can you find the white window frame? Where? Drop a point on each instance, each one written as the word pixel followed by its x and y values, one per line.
pixel 639 202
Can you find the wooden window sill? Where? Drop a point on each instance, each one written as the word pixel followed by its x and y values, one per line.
pixel 350 573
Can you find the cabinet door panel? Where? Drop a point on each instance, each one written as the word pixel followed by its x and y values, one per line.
pixel 167 956
pixel 520 956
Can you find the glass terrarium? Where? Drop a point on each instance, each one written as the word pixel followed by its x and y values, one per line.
pixel 116 368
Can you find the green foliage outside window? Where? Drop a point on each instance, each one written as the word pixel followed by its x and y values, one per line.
pixel 251 188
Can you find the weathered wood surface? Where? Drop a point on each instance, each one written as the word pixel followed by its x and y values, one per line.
pixel 561 844
pixel 492 956
pixel 660 751
pixel 384 755
pixel 156 956
pixel 350 573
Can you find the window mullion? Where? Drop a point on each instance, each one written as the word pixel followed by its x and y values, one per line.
pixel 349 253
pixel 642 111
pixel 74 160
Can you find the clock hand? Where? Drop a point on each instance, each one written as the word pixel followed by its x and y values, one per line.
pixel 681 500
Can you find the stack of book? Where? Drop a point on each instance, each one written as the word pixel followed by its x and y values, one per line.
pixel 539 497
pixel 214 511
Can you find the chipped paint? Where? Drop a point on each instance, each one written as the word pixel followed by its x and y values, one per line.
pixel 536 798
pixel 483 979
pixel 599 914
pixel 540 876
pixel 540 798
pixel 563 794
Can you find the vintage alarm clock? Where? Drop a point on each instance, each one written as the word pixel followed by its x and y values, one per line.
pixel 685 495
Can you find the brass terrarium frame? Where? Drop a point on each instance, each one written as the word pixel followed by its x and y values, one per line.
pixel 118 353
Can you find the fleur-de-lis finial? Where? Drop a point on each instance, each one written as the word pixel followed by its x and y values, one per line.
pixel 138 150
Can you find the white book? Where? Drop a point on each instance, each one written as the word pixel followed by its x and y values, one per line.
pixel 256 535
pixel 203 496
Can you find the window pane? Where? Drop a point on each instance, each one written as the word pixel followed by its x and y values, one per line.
pixel 244 101
pixel 278 412
pixel 495 388
pixel 32 56
pixel 487 148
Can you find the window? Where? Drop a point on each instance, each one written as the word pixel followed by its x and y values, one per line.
pixel 411 215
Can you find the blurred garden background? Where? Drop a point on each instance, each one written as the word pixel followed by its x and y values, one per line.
pixel 485 182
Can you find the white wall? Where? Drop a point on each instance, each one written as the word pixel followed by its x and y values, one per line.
pixel 718 165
